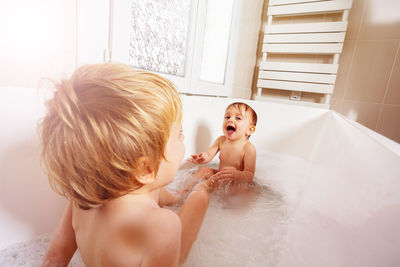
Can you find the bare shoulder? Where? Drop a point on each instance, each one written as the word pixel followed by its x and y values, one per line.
pixel 163 228
pixel 145 219
pixel 249 148
pixel 163 219
pixel 158 222
pixel 220 140
pixel 250 157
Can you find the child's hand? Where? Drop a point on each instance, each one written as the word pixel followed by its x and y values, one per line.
pixel 198 159
pixel 209 185
pixel 226 174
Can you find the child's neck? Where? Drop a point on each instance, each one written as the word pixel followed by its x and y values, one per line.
pixel 146 193
pixel 240 140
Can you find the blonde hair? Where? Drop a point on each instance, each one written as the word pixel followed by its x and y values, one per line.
pixel 240 106
pixel 101 125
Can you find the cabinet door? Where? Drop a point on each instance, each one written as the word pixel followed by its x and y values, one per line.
pixel 187 41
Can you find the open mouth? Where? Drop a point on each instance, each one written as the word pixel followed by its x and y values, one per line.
pixel 230 129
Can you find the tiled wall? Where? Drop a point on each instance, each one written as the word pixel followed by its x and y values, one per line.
pixel 367 89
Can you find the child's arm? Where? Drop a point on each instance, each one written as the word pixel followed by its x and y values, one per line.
pixel 208 155
pixel 171 236
pixel 230 173
pixel 63 244
pixel 191 215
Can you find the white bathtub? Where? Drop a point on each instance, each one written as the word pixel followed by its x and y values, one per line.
pixel 344 212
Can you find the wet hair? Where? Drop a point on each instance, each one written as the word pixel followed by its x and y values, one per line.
pixel 102 125
pixel 240 106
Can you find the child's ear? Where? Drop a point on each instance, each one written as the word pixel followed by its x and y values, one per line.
pixel 146 179
pixel 251 130
pixel 146 174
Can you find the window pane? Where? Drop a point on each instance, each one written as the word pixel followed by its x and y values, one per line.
pixel 159 34
pixel 216 40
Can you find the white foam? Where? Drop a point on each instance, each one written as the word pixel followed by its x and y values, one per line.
pixel 252 233
pixel 30 253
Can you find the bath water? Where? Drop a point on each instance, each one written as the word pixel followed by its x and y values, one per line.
pixel 245 229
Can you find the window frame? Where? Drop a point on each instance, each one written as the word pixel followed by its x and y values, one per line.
pixel 114 34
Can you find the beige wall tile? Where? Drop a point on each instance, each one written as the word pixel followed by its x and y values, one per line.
pixel 312 97
pixel 389 122
pixel 381 20
pixel 393 93
pixel 309 18
pixel 370 70
pixel 336 104
pixel 344 68
pixel 362 112
pixel 333 17
pixel 281 20
pixel 355 19
pixel 282 94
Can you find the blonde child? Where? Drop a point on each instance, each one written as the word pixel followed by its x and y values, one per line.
pixel 236 154
pixel 111 141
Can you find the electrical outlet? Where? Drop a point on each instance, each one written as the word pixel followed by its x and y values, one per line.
pixel 296 95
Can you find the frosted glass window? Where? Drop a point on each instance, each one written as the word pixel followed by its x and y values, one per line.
pixel 216 40
pixel 159 35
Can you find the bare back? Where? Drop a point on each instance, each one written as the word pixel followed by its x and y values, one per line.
pixel 115 234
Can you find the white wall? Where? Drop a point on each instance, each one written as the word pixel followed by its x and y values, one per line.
pixel 249 26
pixel 92 30
pixel 27 205
pixel 38 39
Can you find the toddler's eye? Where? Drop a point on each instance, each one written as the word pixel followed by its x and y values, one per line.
pixel 239 118
pixel 227 117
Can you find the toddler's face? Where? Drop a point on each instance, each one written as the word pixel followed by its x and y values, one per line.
pixel 174 153
pixel 236 124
